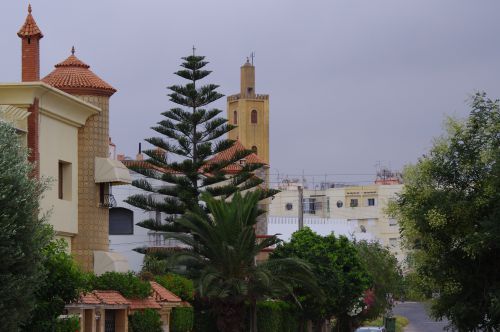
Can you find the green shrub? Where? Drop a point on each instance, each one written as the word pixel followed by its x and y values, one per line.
pixel 154 265
pixel 180 286
pixel 276 316
pixel 182 319
pixel 148 320
pixel 70 324
pixel 204 321
pixel 128 284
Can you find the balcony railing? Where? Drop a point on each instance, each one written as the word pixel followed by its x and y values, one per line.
pixel 108 201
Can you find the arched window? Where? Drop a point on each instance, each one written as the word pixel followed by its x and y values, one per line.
pixel 121 221
pixel 235 117
pixel 254 149
pixel 253 117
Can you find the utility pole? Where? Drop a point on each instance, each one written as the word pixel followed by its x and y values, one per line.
pixel 301 207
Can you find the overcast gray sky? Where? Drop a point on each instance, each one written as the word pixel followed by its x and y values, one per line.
pixel 351 82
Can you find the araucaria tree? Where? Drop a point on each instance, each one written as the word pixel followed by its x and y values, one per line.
pixel 181 162
pixel 450 215
pixel 22 233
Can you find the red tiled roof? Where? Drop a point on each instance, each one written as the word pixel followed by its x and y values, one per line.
pixel 29 28
pixel 147 303
pixel 108 297
pixel 229 154
pixel 74 76
pixel 163 294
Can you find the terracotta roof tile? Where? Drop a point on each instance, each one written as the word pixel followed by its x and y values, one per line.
pixel 74 76
pixel 110 297
pixel 29 28
pixel 107 297
pixel 148 303
pixel 229 154
pixel 163 294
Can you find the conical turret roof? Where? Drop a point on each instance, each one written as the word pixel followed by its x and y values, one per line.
pixel 30 28
pixel 74 76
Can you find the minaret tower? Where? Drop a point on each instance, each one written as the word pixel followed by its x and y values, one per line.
pixel 250 112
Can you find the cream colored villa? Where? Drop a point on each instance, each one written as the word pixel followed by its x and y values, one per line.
pixel 64 121
pixel 362 207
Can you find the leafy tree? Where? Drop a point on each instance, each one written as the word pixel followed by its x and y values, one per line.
pixel 449 211
pixel 23 233
pixel 386 277
pixel 147 320
pixel 337 268
pixel 128 284
pixel 193 133
pixel 224 247
pixel 180 286
pixel 62 284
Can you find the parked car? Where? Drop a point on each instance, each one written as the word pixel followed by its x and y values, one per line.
pixel 371 329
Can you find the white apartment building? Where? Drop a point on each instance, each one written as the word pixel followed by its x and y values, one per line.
pixel 351 209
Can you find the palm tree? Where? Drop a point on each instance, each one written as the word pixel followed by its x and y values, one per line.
pixel 224 247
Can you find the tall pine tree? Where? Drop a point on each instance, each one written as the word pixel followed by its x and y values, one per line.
pixel 194 134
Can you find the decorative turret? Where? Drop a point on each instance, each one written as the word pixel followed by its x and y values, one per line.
pixel 30 35
pixel 74 76
pixel 247 80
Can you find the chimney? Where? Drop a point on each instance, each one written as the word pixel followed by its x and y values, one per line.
pixel 30 36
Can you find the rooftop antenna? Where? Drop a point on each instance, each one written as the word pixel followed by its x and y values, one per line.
pixel 194 50
pixel 73 50
pixel 252 56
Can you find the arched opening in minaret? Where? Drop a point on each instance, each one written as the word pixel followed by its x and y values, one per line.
pixel 254 149
pixel 235 117
pixel 253 117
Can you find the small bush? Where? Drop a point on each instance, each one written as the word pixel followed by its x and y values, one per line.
pixel 182 319
pixel 276 316
pixel 148 320
pixel 154 265
pixel 127 284
pixel 70 324
pixel 180 286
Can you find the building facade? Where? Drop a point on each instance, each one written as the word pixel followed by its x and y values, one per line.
pixel 63 119
pixel 362 208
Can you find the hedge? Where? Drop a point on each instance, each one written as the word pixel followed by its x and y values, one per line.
pixel 128 284
pixel 180 286
pixel 148 320
pixel 273 316
pixel 182 319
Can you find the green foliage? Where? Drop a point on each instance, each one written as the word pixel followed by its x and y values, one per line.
pixel 128 284
pixel 147 320
pixel 204 321
pixel 154 265
pixel 22 233
pixel 62 284
pixel 224 247
pixel 193 133
pixel 401 322
pixel 182 319
pixel 449 211
pixel 178 285
pixel 276 316
pixel 386 277
pixel 337 268
pixel 70 324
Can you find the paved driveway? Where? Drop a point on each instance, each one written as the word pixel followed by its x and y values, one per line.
pixel 419 320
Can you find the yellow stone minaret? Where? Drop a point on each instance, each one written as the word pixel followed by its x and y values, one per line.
pixel 250 112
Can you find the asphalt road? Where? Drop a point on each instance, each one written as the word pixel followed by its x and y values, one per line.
pixel 419 320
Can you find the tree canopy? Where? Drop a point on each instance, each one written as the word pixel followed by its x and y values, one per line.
pixel 224 247
pixel 182 158
pixel 337 268
pixel 23 233
pixel 449 212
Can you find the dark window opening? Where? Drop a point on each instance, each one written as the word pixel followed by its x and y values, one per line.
pixel 61 179
pixel 121 221
pixel 253 117
pixel 235 117
pixel 29 40
pixel 354 202
pixel 371 201
pixel 254 149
